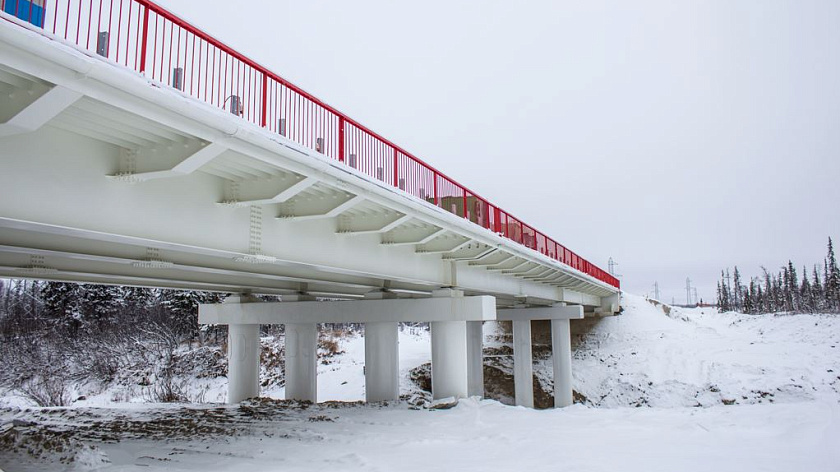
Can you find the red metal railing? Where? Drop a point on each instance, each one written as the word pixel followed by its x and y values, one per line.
pixel 143 36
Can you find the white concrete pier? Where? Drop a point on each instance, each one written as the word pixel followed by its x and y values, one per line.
pixel 449 359
pixel 302 361
pixel 523 373
pixel 475 359
pixel 382 361
pixel 243 362
pixel 561 354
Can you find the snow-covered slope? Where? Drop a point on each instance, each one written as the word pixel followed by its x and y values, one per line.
pixel 660 356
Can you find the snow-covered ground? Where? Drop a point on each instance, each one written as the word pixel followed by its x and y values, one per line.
pixel 671 357
pixel 688 390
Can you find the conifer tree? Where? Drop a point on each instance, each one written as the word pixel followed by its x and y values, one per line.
pixel 768 306
pixel 737 292
pixel 100 303
pixel 817 288
pixel 832 279
pixel 748 298
pixel 724 294
pixel 61 299
pixel 806 293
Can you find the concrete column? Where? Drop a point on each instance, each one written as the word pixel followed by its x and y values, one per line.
pixel 475 361
pixel 382 361
pixel 243 362
pixel 561 353
pixel 523 375
pixel 449 359
pixel 302 361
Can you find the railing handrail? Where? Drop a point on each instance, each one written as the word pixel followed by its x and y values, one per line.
pixel 268 72
pixel 143 34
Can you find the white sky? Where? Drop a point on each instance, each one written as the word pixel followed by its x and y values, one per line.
pixel 677 137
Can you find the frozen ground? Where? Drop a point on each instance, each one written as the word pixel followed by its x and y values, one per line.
pixel 715 392
pixel 475 436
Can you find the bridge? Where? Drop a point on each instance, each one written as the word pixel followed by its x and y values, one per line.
pixel 136 149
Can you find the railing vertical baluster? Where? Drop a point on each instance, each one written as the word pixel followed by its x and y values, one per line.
pixel 55 15
pixel 340 138
pixel 119 29
pixel 145 42
pixel 396 168
pixel 435 185
pixel 264 100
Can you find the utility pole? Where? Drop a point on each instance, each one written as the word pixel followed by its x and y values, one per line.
pixel 611 265
pixel 696 298
pixel 688 291
pixel 656 291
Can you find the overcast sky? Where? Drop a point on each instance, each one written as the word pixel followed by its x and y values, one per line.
pixel 676 137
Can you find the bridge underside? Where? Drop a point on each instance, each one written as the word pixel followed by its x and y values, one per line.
pixel 109 178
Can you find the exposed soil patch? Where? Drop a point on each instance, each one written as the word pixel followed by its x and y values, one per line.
pixel 498 384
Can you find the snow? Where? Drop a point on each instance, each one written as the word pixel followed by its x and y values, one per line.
pixel 699 357
pixel 688 390
pixel 488 436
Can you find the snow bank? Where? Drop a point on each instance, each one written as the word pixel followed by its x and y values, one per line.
pixel 655 355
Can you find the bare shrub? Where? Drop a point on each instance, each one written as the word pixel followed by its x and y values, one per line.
pixel 49 390
pixel 329 347
pixel 166 390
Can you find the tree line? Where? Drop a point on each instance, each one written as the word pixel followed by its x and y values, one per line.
pixel 28 307
pixel 817 291
pixel 54 335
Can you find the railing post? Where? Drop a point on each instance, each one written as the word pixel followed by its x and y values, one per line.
pixel 396 169
pixel 264 119
pixel 437 202
pixel 340 139
pixel 464 192
pixel 145 39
